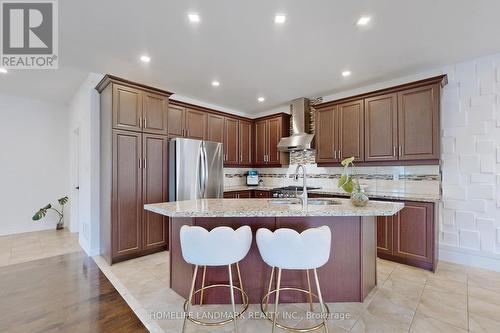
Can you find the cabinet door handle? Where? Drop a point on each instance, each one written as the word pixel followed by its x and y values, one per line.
pixel 340 153
pixel 394 151
pixel 145 163
pixel 400 151
pixel 241 158
pixel 335 153
pixel 140 163
pixel 145 122
pixel 140 122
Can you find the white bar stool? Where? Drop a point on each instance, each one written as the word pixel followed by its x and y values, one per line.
pixel 222 246
pixel 287 249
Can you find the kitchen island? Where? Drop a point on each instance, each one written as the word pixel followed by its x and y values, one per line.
pixel 348 276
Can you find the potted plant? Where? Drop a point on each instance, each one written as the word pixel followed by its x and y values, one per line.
pixel 43 211
pixel 350 183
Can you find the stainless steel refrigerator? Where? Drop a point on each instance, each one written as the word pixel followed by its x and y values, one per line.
pixel 195 169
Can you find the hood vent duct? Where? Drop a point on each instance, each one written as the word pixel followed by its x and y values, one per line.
pixel 301 139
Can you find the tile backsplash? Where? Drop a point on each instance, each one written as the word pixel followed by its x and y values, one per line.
pixel 420 179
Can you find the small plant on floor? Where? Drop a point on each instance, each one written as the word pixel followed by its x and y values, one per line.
pixel 43 211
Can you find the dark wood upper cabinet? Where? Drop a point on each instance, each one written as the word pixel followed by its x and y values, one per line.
pixel 394 125
pixel 274 137
pixel 245 141
pixel 351 130
pixel 260 142
pixel 268 132
pixel 413 232
pixel 418 120
pixel 196 124
pixel 155 114
pixel 127 236
pixel 176 121
pixel 154 188
pixel 381 128
pixel 231 136
pixel 127 108
pixel 326 135
pixel 215 130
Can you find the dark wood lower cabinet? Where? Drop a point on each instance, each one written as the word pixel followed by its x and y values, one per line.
pixel 410 236
pixel 247 194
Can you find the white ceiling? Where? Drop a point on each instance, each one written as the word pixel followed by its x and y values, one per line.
pixel 238 44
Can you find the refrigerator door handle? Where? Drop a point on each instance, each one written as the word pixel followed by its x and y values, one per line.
pixel 201 171
pixel 205 164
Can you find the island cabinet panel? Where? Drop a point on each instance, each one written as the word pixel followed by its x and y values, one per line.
pixel 351 134
pixel 348 275
pixel 196 124
pixel 231 136
pixel 154 189
pixel 176 121
pixel 381 128
pixel 262 194
pixel 127 108
pixel 155 113
pixel 326 135
pixel 418 116
pixel 245 142
pixel 127 230
pixel 215 130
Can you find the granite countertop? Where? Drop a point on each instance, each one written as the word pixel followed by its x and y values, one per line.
pixel 391 195
pixel 263 208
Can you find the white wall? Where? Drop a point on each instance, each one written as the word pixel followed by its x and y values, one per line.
pixel 84 118
pixel 33 162
pixel 470 226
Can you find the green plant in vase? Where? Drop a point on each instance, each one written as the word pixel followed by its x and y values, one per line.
pixel 40 214
pixel 350 183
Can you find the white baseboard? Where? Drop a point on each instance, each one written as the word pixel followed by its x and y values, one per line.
pixel 463 257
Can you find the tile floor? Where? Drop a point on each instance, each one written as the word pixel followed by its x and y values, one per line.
pixel 30 246
pixel 454 299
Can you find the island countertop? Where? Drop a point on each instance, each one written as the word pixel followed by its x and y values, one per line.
pixel 264 208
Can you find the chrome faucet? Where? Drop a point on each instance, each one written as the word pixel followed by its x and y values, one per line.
pixel 303 197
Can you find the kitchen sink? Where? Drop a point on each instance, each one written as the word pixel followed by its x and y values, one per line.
pixel 311 201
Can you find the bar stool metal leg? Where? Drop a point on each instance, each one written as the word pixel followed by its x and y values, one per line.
pixel 278 285
pixel 190 298
pixel 232 299
pixel 241 283
pixel 269 289
pixel 323 312
pixel 203 284
pixel 310 293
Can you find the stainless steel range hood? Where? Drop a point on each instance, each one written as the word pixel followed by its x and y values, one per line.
pixel 300 138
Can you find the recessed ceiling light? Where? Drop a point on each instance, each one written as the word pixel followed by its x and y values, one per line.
pixel 261 99
pixel 280 18
pixel 346 73
pixel 193 17
pixel 215 83
pixel 145 58
pixel 363 20
pixel 3 70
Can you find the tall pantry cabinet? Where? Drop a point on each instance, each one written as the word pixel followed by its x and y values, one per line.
pixel 133 168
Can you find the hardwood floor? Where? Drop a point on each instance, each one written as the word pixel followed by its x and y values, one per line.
pixel 66 293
